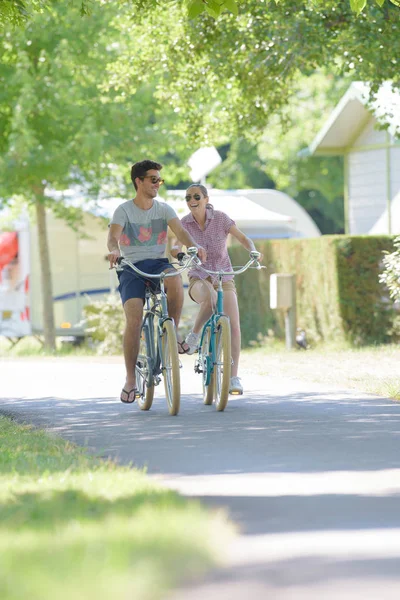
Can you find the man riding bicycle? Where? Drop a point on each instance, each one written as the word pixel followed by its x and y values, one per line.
pixel 138 232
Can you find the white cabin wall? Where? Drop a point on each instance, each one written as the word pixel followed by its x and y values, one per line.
pixel 366 189
pixel 395 171
pixel 370 136
pixel 367 184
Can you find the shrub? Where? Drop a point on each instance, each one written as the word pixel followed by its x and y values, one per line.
pixel 104 323
pixel 391 273
pixel 339 295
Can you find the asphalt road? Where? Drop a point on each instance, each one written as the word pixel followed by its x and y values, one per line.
pixel 310 475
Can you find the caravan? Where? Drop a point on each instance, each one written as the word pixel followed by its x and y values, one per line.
pixel 79 274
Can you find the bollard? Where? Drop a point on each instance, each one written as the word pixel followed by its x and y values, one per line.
pixel 283 297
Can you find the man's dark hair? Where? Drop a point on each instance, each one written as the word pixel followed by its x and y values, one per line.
pixel 140 169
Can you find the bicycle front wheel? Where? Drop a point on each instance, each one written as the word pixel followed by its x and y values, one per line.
pixel 170 367
pixel 222 367
pixel 205 363
pixel 144 370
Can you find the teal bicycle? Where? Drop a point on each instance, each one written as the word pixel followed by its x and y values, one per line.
pixel 215 359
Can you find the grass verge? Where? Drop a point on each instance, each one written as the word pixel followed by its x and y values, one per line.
pixel 373 369
pixel 30 346
pixel 73 526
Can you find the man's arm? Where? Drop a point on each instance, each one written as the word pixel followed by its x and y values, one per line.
pixel 176 248
pixel 114 234
pixel 185 238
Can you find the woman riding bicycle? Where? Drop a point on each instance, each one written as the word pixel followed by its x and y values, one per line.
pixel 210 229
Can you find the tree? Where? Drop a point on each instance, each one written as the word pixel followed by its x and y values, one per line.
pixel 232 73
pixel 19 11
pixel 58 128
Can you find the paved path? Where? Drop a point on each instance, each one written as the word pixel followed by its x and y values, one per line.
pixel 310 475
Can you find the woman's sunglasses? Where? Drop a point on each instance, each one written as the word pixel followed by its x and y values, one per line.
pixel 195 197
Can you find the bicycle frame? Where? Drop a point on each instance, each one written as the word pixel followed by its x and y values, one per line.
pixel 212 325
pixel 209 361
pixel 155 307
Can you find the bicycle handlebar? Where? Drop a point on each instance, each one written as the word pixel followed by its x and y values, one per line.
pixel 254 257
pixel 192 252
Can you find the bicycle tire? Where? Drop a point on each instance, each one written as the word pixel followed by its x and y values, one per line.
pixel 208 389
pixel 144 371
pixel 222 368
pixel 170 367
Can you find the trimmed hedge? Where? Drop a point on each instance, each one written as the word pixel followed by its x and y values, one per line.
pixel 339 296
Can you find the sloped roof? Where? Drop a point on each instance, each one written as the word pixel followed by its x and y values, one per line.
pixel 351 112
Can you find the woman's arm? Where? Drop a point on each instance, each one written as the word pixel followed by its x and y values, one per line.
pixel 243 239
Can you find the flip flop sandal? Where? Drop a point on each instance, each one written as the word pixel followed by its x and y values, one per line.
pixel 180 345
pixel 128 394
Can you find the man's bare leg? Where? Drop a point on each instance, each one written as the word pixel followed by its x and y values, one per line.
pixel 133 314
pixel 174 290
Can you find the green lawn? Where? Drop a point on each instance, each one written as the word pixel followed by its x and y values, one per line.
pixel 75 527
pixel 373 369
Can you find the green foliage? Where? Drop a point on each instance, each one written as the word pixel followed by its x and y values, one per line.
pixel 104 324
pixel 19 11
pixel 241 167
pixel 366 313
pixel 58 126
pixel 391 272
pixel 228 76
pixel 339 296
pixel 276 161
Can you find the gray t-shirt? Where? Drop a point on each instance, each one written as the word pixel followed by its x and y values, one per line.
pixel 144 233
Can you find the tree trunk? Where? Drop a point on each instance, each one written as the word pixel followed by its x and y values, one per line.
pixel 46 280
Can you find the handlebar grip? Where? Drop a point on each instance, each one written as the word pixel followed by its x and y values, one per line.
pixel 180 256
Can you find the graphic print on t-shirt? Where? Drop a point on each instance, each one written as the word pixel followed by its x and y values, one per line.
pixel 151 234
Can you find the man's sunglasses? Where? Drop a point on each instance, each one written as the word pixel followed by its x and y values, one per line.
pixel 153 178
pixel 195 197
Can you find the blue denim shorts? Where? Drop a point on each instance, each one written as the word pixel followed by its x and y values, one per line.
pixel 132 285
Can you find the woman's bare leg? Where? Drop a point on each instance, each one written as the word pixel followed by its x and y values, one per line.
pixel 204 294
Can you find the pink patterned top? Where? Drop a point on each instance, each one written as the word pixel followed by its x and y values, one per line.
pixel 213 240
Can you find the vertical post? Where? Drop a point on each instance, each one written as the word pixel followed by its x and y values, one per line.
pixel 388 184
pixel 78 311
pixel 346 194
pixel 291 318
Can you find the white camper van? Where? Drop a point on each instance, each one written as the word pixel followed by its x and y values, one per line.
pixel 79 274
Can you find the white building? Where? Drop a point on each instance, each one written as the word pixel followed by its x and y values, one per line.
pixel 371 158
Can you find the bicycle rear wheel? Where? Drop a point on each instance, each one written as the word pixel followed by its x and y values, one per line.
pixel 205 363
pixel 222 367
pixel 144 370
pixel 170 367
